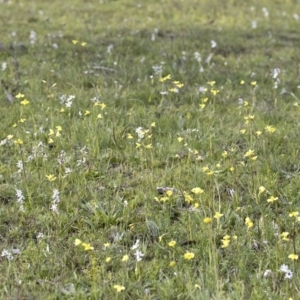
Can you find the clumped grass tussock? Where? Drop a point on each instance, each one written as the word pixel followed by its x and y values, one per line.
pixel 149 150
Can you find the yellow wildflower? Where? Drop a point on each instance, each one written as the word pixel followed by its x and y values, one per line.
pixel 261 189
pixel 225 241
pixel 218 215
pixel 205 169
pixel 25 102
pixel 197 190
pixel 270 129
pixel 178 84
pixel 249 223
pixel 119 288
pixel 272 199
pixel 211 83
pixel 172 263
pixel 284 236
pixel 165 78
pixel 125 258
pixel 249 153
pixel 169 193
pixel 172 244
pixel 214 92
pixel 207 220
pixel 19 142
pixel 87 246
pixel 225 154
pixel 51 177
pixel 293 256
pixel 189 255
pixel 188 198
pixel 20 96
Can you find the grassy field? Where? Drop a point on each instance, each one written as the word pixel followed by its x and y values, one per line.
pixel 149 149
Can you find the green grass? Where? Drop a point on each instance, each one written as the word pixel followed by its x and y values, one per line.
pixel 116 188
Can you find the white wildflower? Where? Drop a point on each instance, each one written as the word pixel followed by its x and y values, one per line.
pixel 3 142
pixel 55 200
pixel 267 273
pixel 5 253
pixel 55 196
pixel 276 83
pixel 136 244
pixel 157 69
pixel 275 72
pixel 231 192
pixel 208 58
pixel 61 157
pixel 20 166
pixel 288 275
pixel 202 89
pixel 40 235
pixel 3 66
pixel 54 208
pixel 67 100
pixel 284 268
pixel 197 56
pixel 109 48
pixel 32 37
pixel 254 24
pixel 140 132
pixel 138 254
pixel 265 12
pixel 213 44
pixel 20 199
pixel 67 172
pixel 29 158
